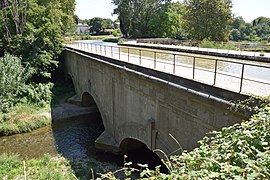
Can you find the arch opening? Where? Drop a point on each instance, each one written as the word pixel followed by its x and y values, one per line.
pixel 138 153
pixel 88 100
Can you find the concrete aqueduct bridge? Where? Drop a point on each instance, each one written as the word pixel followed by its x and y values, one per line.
pixel 142 104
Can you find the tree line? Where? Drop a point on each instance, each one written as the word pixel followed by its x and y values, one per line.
pixel 97 25
pixel 190 19
pixel 31 40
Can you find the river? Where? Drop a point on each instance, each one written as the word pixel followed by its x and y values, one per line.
pixel 72 138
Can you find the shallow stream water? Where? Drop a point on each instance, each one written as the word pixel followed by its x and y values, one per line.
pixel 72 138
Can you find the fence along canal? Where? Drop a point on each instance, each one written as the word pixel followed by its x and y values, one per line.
pixel 240 76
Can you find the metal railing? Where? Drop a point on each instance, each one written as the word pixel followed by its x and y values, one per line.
pixel 241 77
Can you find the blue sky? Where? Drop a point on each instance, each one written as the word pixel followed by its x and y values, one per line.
pixel 248 9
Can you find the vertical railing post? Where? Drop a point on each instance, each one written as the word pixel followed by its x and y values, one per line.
pixel 96 48
pixel 128 54
pixel 242 77
pixel 215 75
pixel 140 54
pixel 105 50
pixel 119 51
pixel 91 48
pixel 155 60
pixel 111 51
pixel 100 49
pixel 174 63
pixel 193 68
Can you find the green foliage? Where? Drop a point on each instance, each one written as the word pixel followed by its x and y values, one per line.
pixel 33 30
pixel 12 167
pixel 14 87
pixel 23 118
pixel 117 33
pixel 99 25
pixel 259 29
pixel 135 16
pixel 13 77
pixel 236 152
pixel 170 14
pixel 217 45
pixel 207 19
pixel 39 94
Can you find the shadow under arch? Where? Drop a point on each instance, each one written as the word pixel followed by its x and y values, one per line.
pixel 75 128
pixel 87 100
pixel 138 153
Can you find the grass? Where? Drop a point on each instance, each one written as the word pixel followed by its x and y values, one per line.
pixel 48 167
pixel 23 118
pixel 27 117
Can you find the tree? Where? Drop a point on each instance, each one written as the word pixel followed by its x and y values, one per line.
pixel 96 25
pixel 262 27
pixel 34 29
pixel 207 19
pixel 170 14
pixel 135 15
pixel 107 24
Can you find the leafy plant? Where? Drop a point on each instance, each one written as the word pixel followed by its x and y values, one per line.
pixel 13 77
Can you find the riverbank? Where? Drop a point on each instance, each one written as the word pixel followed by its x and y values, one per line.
pixel 65 145
pixel 24 118
pixel 48 167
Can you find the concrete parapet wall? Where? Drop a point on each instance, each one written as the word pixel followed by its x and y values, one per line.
pixel 141 104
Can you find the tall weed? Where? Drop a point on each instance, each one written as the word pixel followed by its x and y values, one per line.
pixel 13 76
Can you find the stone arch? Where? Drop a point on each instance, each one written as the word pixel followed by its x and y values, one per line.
pixel 87 100
pixel 70 78
pixel 138 152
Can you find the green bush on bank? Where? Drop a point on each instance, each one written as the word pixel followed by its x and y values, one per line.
pixel 13 167
pixel 24 118
pixel 14 85
pixel 239 151
pixel 13 77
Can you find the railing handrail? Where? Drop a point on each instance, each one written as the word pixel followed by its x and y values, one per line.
pixel 173 61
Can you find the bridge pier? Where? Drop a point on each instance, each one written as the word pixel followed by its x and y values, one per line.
pixel 106 142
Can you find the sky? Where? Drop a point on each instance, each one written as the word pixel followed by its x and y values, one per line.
pixel 248 9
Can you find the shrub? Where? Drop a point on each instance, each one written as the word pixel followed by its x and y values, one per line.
pixel 13 77
pixel 14 88
pixel 117 33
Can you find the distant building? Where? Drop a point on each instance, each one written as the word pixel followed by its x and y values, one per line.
pixel 83 29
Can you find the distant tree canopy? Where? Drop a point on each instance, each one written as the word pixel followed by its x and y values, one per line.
pixel 138 18
pixel 33 30
pixel 258 29
pixel 207 19
pixel 98 25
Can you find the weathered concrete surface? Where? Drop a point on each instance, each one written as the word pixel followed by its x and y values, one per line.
pixel 146 105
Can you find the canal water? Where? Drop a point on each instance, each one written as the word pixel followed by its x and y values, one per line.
pixel 256 79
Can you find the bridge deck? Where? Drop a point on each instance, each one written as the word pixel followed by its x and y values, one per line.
pixel 244 78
